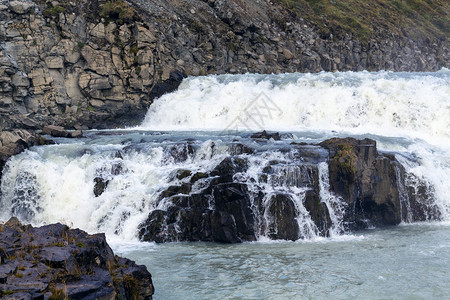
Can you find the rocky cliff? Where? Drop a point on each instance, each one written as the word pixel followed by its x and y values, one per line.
pixel 98 64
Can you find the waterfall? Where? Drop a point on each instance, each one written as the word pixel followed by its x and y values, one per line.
pixel 113 182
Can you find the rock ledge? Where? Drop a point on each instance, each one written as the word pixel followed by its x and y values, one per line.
pixel 56 262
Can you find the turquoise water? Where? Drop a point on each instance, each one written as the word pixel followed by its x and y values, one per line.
pixel 405 262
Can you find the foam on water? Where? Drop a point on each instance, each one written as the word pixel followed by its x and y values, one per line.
pixel 413 105
pixel 407 113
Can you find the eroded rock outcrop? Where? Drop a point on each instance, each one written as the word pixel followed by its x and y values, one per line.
pixel 374 185
pixel 290 198
pixel 57 262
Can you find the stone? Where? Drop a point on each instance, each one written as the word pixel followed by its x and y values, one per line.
pixel 56 131
pixel 20 7
pixel 54 62
pixel 287 53
pixel 100 186
pixel 51 254
pixel 283 224
pixel 40 77
pixel 233 198
pixel 143 34
pixel 265 135
pixel 97 60
pixel 76 134
pixel 366 180
pixel 20 79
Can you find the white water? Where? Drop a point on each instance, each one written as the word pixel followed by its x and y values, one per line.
pixel 413 105
pixel 408 113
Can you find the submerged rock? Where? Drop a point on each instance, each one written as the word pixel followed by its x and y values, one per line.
pixel 56 262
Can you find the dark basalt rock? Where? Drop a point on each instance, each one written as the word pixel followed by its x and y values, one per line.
pixel 369 182
pixel 228 167
pixel 318 211
pixel 168 85
pixel 54 261
pixel 373 187
pixel 283 224
pixel 100 186
pixel 266 136
pixel 238 148
pixel 233 198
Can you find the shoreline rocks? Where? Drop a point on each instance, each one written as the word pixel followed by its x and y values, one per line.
pixel 56 262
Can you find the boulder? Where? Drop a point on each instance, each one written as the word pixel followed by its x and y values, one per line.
pixel 368 181
pixel 282 218
pixel 55 131
pixel 20 7
pixel 264 135
pixel 58 262
pixel 234 199
pixel 75 134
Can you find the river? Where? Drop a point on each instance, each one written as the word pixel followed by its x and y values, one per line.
pixel 407 114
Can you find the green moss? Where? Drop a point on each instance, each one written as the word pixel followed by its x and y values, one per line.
pixel 57 294
pixel 131 285
pixel 134 50
pixel 117 11
pixel 417 19
pixel 346 159
pixel 59 244
pixel 197 26
pixel 53 11
pixel 78 47
pixel 80 244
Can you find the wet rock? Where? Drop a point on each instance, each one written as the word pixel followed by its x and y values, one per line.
pixel 197 176
pixel 265 135
pixel 226 169
pixel 55 131
pixel 100 186
pixel 179 152
pixel 238 148
pixel 318 212
pixel 233 198
pixel 368 182
pixel 55 261
pixel 169 85
pixel 282 215
pixel 181 174
pixel 75 134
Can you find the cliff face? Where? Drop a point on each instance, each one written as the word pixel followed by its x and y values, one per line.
pixel 98 64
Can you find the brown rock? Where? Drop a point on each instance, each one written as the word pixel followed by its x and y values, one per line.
pixel 56 131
